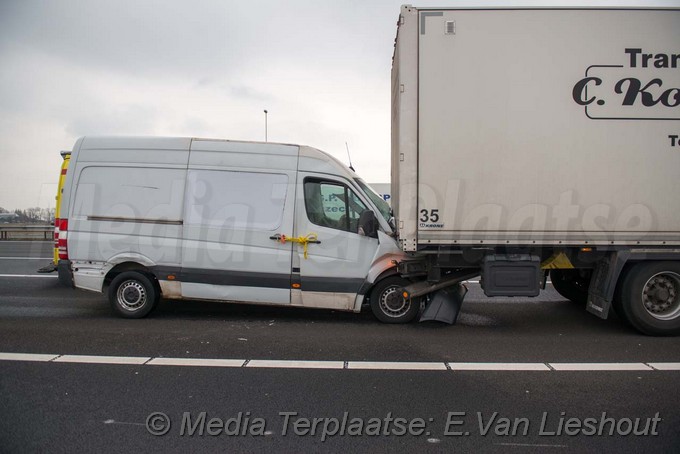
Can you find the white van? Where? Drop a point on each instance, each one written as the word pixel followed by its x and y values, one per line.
pixel 264 223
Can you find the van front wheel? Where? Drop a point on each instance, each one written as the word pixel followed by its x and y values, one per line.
pixel 389 306
pixel 133 295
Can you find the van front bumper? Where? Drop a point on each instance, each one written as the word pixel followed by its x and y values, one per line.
pixel 65 273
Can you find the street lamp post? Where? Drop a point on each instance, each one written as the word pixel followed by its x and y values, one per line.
pixel 265 125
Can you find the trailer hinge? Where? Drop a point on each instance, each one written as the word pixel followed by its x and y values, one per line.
pixel 401 88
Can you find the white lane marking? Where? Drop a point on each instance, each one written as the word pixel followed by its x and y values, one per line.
pixel 598 366
pixel 196 362
pixel 665 366
pixel 29 275
pixel 112 421
pixel 101 359
pixel 394 365
pixel 26 241
pixel 499 366
pixel 356 365
pixel 293 364
pixel 26 357
pixel 26 258
pixel 530 445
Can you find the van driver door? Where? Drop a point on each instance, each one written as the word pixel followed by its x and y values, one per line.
pixel 334 269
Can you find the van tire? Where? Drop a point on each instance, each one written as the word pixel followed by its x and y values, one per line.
pixel 388 305
pixel 650 298
pixel 133 295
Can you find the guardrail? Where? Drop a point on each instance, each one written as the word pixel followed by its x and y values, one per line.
pixel 26 232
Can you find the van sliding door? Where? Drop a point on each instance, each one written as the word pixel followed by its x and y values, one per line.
pixel 230 217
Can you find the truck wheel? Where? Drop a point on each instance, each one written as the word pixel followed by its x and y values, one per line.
pixel 389 306
pixel 650 298
pixel 572 284
pixel 133 295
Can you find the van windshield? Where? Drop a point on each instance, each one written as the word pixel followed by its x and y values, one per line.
pixel 379 202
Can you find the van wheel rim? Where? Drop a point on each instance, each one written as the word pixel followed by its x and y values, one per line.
pixel 392 303
pixel 661 296
pixel 131 295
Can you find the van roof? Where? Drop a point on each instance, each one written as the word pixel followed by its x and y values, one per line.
pixel 126 149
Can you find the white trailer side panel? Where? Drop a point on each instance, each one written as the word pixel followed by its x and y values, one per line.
pixel 405 129
pixel 507 150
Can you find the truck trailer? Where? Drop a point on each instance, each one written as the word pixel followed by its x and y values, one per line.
pixel 527 140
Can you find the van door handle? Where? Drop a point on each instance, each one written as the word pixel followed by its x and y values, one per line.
pixel 311 238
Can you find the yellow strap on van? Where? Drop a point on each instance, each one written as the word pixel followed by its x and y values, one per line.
pixel 303 240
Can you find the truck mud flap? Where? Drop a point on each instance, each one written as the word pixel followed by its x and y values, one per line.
pixel 603 283
pixel 444 306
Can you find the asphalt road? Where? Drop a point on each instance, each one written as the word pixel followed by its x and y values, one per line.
pixel 75 407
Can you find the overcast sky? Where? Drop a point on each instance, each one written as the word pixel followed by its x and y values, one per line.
pixel 202 68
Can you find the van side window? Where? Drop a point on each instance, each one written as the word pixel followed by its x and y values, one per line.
pixel 334 205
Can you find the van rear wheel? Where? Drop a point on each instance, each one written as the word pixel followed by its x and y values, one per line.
pixel 133 295
pixel 650 298
pixel 389 306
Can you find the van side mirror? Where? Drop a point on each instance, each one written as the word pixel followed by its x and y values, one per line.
pixel 368 224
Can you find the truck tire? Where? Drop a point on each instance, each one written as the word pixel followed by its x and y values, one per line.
pixel 572 284
pixel 389 306
pixel 618 295
pixel 650 298
pixel 133 295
